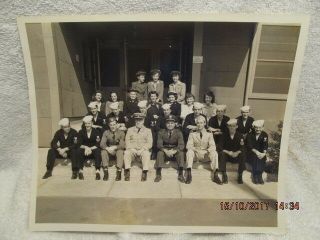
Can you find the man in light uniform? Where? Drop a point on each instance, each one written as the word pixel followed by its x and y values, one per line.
pixel 138 145
pixel 112 145
pixel 201 147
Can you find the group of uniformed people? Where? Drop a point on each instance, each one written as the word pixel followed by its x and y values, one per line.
pixel 144 128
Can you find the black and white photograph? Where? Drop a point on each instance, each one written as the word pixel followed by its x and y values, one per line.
pixel 161 123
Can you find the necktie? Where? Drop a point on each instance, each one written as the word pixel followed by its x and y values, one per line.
pixel 170 132
pixel 200 135
pixel 138 130
pixel 113 136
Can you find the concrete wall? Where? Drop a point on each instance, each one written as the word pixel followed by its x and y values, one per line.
pixel 225 51
pixel 75 92
pixel 46 81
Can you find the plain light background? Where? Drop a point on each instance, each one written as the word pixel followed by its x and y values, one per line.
pixel 302 174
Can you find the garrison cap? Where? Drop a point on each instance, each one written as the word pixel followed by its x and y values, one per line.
pixel 221 107
pixel 93 105
pixel 114 105
pixel 197 105
pixel 166 106
pixel 171 118
pixel 142 104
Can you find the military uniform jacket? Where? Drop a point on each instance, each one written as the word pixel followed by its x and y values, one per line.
pixel 247 128
pixel 190 120
pixel 176 109
pixel 158 87
pixel 234 145
pixel 141 88
pixel 213 122
pixel 173 141
pixel 180 89
pixel 130 108
pixel 139 138
pixel 110 138
pixel 205 142
pixel 261 144
pixel 59 141
pixel 150 120
pixel 93 140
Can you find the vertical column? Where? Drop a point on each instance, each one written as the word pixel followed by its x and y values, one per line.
pixel 196 66
pixel 53 80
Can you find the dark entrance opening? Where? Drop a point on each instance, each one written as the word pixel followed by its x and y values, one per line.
pixel 122 49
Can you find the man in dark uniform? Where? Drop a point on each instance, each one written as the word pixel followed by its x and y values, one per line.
pixel 63 145
pixel 131 107
pixel 189 124
pixel 218 123
pixel 257 144
pixel 118 115
pixel 171 145
pixel 175 106
pixel 89 142
pixel 245 121
pixel 140 85
pixel 99 120
pixel 231 148
pixel 152 120
pixel 112 145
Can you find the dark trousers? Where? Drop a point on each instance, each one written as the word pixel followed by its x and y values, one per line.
pixel 53 154
pixel 154 139
pixel 161 157
pixel 223 158
pixel 258 165
pixel 96 154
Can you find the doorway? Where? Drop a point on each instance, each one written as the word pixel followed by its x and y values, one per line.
pixel 122 49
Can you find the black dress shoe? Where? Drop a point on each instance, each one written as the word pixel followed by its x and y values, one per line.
pixel 118 176
pixel 216 178
pixel 188 176
pixel 158 178
pixel 97 176
pixel 181 178
pixel 81 176
pixel 105 175
pixel 255 179
pixel 127 174
pixel 74 175
pixel 240 181
pixel 144 176
pixel 47 175
pixel 224 177
pixel 260 180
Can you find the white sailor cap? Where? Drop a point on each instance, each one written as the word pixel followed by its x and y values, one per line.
pixel 245 108
pixel 232 122
pixel 142 104
pixel 114 105
pixel 221 107
pixel 64 122
pixel 87 119
pixel 258 123
pixel 166 106
pixel 197 105
pixel 93 105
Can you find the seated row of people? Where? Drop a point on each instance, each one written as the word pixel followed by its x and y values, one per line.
pixel 167 143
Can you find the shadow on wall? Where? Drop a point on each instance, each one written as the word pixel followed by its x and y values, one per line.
pixel 75 92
